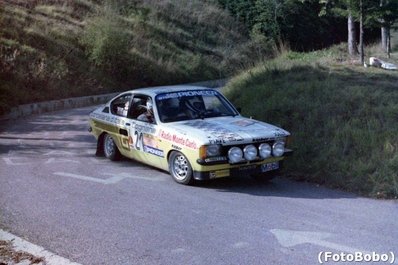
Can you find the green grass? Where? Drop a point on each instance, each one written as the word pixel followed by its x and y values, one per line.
pixel 342 117
pixel 55 49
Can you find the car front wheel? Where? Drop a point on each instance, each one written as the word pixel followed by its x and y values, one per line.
pixel 180 168
pixel 110 148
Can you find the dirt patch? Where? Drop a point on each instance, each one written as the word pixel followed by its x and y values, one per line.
pixel 10 256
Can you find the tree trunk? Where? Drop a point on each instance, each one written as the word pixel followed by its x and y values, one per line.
pixel 384 30
pixel 384 38
pixel 361 33
pixel 388 42
pixel 352 46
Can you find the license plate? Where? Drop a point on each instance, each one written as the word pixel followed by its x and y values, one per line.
pixel 269 167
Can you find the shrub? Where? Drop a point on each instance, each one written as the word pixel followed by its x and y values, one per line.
pixel 106 44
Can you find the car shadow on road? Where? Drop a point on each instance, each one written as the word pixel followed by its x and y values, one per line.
pixel 278 187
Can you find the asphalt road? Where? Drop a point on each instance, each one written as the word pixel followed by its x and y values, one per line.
pixel 56 193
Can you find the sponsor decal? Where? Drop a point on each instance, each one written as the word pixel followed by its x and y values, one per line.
pixel 107 118
pixel 180 140
pixel 150 140
pixel 147 143
pixel 244 168
pixel 147 128
pixel 217 141
pixel 186 94
pixel 153 151
pixel 262 139
pixel 216 159
pixel 280 134
pixel 176 147
pixel 218 134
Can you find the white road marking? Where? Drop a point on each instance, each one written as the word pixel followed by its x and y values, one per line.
pixel 240 245
pixel 60 160
pixel 23 152
pixel 111 180
pixel 23 245
pixel 99 161
pixel 291 238
pixel 59 152
pixel 10 161
pixel 178 250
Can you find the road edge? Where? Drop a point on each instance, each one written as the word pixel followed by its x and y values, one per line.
pixel 20 244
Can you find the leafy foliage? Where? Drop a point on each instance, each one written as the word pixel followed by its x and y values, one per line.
pixel 296 23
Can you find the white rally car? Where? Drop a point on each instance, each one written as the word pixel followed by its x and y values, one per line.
pixel 195 133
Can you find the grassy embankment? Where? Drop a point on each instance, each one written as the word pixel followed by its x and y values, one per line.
pixel 53 49
pixel 343 117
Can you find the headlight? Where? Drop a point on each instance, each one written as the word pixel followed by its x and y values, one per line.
pixel 250 152
pixel 265 150
pixel 209 151
pixel 278 149
pixel 235 155
pixel 213 150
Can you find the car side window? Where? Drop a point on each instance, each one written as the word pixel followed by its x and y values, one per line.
pixel 142 109
pixel 120 105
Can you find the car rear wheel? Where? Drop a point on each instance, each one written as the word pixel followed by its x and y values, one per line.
pixel 110 148
pixel 180 168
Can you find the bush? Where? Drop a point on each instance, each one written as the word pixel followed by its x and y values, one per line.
pixel 106 44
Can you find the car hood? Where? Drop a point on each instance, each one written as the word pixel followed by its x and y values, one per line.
pixel 229 130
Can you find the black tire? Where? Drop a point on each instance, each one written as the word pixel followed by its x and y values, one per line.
pixel 100 146
pixel 110 149
pixel 180 168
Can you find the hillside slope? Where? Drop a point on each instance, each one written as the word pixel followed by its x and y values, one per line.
pixel 342 117
pixel 55 49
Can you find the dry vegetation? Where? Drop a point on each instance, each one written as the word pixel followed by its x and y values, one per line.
pixel 10 256
pixel 53 49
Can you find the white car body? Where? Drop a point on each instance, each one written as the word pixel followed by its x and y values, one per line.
pixel 197 147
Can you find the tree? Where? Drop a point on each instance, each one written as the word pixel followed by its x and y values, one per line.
pixel 361 32
pixel 293 23
pixel 344 8
pixel 268 14
pixel 351 39
pixel 386 16
pixel 384 32
pixel 363 11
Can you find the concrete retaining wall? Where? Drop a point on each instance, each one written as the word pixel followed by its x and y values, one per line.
pixel 70 103
pixel 54 105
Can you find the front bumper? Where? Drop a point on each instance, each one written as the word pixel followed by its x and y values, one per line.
pixel 242 170
pixel 223 159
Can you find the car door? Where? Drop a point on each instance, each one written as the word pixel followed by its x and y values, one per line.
pixel 143 140
pixel 119 108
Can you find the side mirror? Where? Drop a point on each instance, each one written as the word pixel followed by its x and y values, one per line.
pixel 239 109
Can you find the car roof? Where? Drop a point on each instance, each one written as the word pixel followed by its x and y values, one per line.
pixel 153 91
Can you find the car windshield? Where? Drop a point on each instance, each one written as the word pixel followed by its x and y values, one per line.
pixel 193 104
